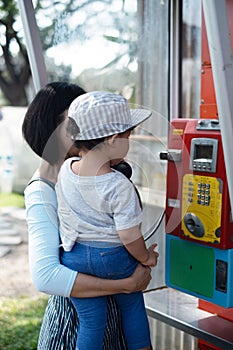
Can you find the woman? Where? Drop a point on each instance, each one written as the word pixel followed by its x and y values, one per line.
pixel 44 129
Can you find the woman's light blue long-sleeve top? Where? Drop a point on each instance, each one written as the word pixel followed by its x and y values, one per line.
pixel 48 275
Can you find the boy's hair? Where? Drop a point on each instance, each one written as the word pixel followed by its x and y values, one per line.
pixel 88 144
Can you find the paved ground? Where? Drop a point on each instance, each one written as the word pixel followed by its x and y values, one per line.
pixel 15 278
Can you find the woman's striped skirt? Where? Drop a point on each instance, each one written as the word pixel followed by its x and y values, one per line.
pixel 60 326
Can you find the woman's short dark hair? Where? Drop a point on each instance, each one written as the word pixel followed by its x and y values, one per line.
pixel 43 116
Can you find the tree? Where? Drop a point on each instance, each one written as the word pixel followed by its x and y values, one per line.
pixel 15 74
pixel 14 66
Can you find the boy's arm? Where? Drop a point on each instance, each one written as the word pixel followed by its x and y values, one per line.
pixel 135 244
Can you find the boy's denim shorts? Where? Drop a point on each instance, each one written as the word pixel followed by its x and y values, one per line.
pixel 100 259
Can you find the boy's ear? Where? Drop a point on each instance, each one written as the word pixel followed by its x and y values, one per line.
pixel 112 139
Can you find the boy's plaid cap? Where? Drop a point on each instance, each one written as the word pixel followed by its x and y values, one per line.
pixel 98 114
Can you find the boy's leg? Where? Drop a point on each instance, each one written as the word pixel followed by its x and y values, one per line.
pixel 135 321
pixel 92 314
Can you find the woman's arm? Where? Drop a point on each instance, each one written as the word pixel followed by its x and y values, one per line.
pixel 48 275
pixel 86 286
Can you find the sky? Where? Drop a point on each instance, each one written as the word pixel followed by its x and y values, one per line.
pixel 95 54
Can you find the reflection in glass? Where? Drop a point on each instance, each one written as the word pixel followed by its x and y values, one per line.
pixel 191 58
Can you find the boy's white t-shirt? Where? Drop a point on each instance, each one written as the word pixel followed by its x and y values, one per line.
pixel 94 208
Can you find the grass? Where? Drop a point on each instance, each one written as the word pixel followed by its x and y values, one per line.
pixel 20 321
pixel 11 200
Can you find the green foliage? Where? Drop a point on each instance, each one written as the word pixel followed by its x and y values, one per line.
pixel 8 8
pixel 11 200
pixel 20 321
pixel 15 71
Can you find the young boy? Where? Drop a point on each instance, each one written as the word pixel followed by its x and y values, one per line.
pixel 99 214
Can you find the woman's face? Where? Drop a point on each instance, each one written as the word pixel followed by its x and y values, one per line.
pixel 65 141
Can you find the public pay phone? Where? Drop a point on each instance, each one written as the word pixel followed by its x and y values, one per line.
pixel 199 224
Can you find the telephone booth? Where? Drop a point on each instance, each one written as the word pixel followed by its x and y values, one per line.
pixel 183 164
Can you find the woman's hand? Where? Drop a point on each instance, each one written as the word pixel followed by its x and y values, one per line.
pixel 139 280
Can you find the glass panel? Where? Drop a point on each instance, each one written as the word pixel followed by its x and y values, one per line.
pixel 93 42
pixel 191 58
pixel 121 46
pixel 151 138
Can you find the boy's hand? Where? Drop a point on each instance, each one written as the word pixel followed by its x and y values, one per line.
pixel 152 259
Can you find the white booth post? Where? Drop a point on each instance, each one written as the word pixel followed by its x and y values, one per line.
pixel 220 47
pixel 33 42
